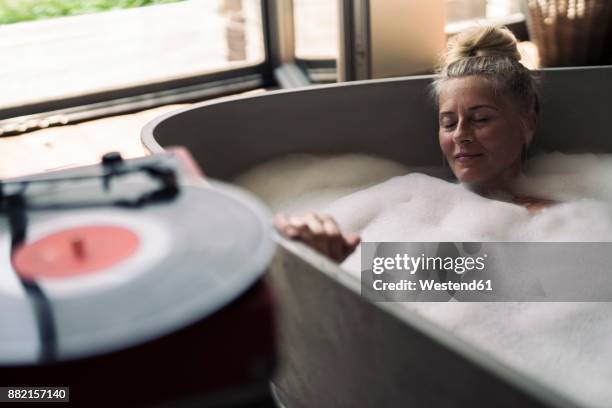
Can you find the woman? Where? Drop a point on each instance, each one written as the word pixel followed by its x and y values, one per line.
pixel 488 108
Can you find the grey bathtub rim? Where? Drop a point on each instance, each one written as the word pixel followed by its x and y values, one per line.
pixel 484 359
pixel 147 133
pixel 151 146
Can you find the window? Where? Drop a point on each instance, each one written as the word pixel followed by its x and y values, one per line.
pixel 459 10
pixel 316 25
pixel 316 29
pixel 92 50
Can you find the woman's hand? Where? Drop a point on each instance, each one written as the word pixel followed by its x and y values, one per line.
pixel 320 232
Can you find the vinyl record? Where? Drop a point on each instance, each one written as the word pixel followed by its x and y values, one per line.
pixel 166 265
pixel 19 332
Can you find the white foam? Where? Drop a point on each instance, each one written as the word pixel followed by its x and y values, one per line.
pixel 301 182
pixel 567 345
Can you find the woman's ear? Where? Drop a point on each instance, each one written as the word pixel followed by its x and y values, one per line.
pixel 529 122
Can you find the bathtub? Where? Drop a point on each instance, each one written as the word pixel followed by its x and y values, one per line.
pixel 336 348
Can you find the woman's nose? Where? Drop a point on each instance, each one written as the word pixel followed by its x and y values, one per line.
pixel 463 133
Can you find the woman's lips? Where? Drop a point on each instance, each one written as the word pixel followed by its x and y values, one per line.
pixel 467 158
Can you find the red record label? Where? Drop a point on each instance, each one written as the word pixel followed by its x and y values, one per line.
pixel 75 251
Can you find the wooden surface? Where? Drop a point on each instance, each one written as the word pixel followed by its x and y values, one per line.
pixel 75 145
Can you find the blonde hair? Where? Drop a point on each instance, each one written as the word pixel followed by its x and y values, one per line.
pixel 490 52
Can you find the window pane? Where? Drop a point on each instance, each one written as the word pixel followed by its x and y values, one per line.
pixel 316 29
pixel 459 10
pixel 69 56
pixel 501 8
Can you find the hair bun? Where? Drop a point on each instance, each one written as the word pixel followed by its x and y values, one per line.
pixel 482 41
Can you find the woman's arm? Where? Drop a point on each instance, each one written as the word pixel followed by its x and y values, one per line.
pixel 320 232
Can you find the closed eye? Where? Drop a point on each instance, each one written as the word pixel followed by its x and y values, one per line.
pixel 481 120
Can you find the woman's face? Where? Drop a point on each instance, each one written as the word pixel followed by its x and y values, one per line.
pixel 481 134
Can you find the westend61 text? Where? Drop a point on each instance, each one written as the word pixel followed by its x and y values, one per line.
pixel 430 284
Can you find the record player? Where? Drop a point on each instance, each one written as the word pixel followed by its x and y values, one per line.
pixel 135 282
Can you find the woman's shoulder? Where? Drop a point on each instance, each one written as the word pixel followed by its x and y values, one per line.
pixel 533 204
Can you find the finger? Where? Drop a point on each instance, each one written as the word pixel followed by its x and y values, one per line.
pixel 319 238
pixel 300 229
pixel 281 222
pixel 350 243
pixel 352 240
pixel 297 222
pixel 330 225
pixel 315 223
pixel 297 228
pixel 292 232
pixel 336 244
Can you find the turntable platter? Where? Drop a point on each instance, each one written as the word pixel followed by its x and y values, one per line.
pixel 116 277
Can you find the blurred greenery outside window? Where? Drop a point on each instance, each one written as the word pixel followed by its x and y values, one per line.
pixel 17 11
